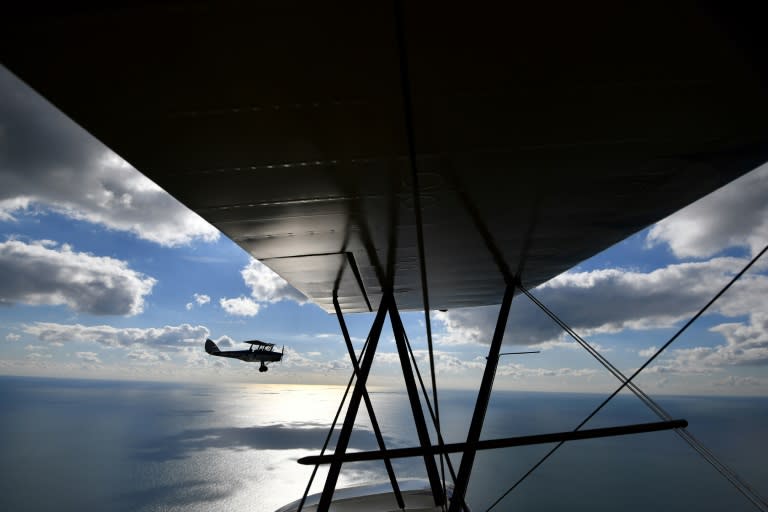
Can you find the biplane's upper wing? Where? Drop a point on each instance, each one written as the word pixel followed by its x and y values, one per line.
pixel 261 344
pixel 538 138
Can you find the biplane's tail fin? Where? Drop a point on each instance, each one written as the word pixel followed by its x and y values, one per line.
pixel 211 347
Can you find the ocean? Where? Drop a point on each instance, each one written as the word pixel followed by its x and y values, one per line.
pixel 76 445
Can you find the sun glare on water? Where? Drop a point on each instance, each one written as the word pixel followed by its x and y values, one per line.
pixel 311 405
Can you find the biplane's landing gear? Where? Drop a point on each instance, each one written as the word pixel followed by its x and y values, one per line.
pixel 263 367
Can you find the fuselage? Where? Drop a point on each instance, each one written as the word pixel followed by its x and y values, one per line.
pixel 249 356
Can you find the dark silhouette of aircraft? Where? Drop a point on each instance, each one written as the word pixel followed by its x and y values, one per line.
pixel 259 351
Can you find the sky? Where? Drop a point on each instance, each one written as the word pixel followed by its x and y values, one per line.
pixel 104 275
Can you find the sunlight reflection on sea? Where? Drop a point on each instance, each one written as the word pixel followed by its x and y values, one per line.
pixel 128 446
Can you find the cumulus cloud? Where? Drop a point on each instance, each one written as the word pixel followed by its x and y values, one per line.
pixel 746 344
pixel 266 286
pixel 12 336
pixel 45 159
pixel 164 338
pixel 240 306
pixel 611 300
pixel 45 274
pixel 198 298
pixel 224 342
pixel 733 216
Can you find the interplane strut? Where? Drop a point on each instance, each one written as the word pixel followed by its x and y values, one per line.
pixel 359 393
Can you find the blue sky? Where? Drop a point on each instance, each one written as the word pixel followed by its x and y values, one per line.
pixel 106 276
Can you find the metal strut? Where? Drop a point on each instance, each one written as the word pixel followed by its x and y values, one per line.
pixel 413 398
pixel 481 405
pixel 359 393
pixel 506 442
pixel 354 405
pixel 369 405
pixel 330 432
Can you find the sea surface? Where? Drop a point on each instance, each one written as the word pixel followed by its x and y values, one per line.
pixel 77 445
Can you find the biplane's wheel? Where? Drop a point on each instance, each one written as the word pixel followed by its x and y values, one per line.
pixel 263 367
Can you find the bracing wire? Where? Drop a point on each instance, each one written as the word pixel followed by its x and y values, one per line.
pixel 431 412
pixel 740 485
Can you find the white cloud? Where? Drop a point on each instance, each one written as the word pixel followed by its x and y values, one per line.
pixel 142 355
pixel 570 344
pixel 198 298
pixel 164 338
pixel 464 326
pixel 460 365
pixel 648 352
pixel 42 274
pixel 45 159
pixel 146 356
pixel 36 356
pixel 445 362
pixel 746 344
pixel 224 342
pixel 12 336
pixel 266 286
pixel 609 301
pixel 296 360
pixel 88 357
pixel 518 371
pixel 733 216
pixel 732 381
pixel 240 306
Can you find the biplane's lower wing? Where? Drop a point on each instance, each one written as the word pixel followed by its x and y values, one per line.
pixel 532 140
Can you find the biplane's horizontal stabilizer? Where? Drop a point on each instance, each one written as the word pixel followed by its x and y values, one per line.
pixel 211 347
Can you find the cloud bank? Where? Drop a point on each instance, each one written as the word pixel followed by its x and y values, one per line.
pixel 733 216
pixel 44 273
pixel 164 338
pixel 45 159
pixel 611 300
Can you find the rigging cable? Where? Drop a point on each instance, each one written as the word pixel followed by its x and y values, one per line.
pixel 753 497
pixel 431 413
pixel 741 485
pixel 410 136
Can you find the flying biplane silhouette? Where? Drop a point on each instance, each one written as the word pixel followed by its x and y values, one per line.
pixel 259 351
